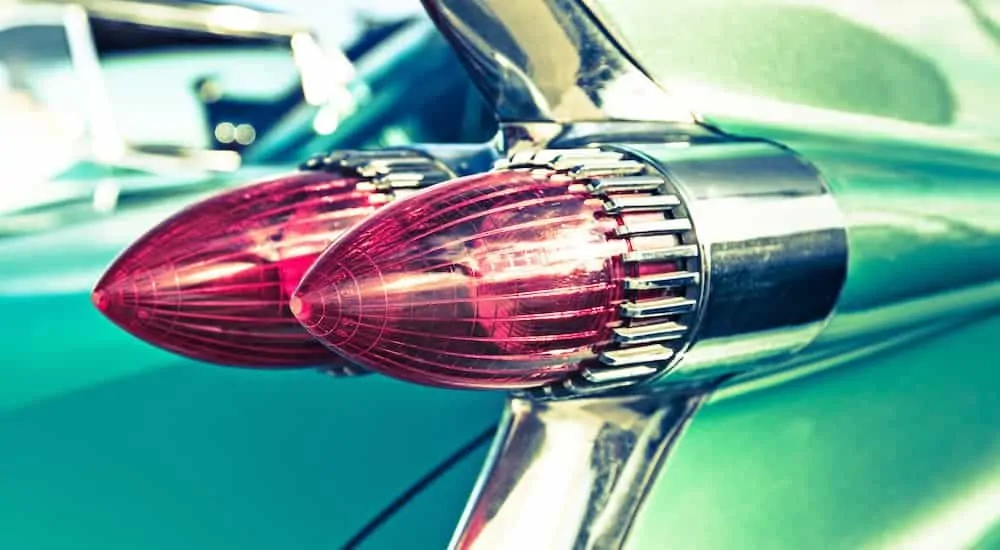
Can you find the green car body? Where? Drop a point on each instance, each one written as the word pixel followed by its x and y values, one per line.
pixel 896 446
pixel 880 433
pixel 88 460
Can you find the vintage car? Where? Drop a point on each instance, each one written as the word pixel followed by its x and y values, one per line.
pixel 86 458
pixel 736 270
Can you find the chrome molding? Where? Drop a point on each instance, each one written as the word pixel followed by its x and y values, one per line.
pixel 549 60
pixel 518 137
pixel 572 474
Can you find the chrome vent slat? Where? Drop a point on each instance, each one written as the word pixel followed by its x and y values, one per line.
pixel 661 281
pixel 633 356
pixel 582 170
pixel 658 227
pixel 649 333
pixel 626 184
pixel 662 254
pixel 560 159
pixel 610 375
pixel 640 203
pixel 656 308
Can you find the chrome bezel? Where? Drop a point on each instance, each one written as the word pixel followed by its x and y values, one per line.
pixel 391 173
pixel 651 334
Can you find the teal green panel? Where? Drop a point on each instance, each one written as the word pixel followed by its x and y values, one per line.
pixel 195 457
pixel 896 450
pixel 429 520
pixel 62 344
pixel 106 442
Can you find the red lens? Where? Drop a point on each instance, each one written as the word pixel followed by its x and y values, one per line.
pixel 212 282
pixel 499 280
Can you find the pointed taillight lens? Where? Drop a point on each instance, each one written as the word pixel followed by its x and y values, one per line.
pixel 509 279
pixel 213 281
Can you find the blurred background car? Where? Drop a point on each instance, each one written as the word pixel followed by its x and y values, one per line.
pixel 116 114
pixel 181 105
pixel 231 86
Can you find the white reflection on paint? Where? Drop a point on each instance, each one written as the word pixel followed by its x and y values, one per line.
pixel 958 525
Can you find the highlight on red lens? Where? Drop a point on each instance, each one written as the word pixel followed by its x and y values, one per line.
pixel 499 280
pixel 213 281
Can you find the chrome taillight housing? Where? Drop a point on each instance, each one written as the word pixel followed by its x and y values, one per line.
pixel 572 271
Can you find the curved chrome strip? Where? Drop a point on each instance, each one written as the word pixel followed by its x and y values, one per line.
pixel 572 474
pixel 549 60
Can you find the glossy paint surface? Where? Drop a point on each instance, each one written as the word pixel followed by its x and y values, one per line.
pixel 931 66
pixel 179 454
pixel 897 450
pixel 895 447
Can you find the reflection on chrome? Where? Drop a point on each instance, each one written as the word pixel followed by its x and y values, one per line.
pixel 571 474
pixel 549 60
pixel 774 250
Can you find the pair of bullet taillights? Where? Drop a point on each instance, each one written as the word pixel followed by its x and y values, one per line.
pixel 556 270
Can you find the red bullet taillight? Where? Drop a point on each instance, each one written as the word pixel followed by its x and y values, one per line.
pixel 510 279
pixel 212 282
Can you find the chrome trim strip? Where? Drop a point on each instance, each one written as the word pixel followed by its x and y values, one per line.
pixel 601 376
pixel 608 168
